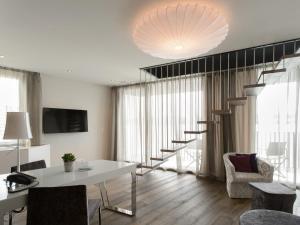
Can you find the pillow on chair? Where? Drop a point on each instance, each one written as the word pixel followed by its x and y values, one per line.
pixel 241 163
pixel 253 161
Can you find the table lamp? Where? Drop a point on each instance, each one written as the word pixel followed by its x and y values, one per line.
pixel 17 127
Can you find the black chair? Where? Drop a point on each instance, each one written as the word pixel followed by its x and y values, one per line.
pixel 30 166
pixel 25 167
pixel 66 205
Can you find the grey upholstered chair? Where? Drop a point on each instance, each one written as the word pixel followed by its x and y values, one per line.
pixel 268 217
pixel 237 182
pixel 66 205
pixel 30 166
pixel 25 167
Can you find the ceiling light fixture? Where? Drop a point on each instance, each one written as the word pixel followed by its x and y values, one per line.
pixel 181 29
pixel 2 56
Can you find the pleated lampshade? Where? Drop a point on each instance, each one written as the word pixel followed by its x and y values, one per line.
pixel 17 126
pixel 182 29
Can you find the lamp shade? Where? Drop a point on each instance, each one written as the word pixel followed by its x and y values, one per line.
pixel 180 29
pixel 17 126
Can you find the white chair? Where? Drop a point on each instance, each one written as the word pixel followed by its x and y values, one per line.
pixel 237 182
pixel 276 155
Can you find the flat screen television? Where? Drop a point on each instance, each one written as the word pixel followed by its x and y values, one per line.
pixel 64 120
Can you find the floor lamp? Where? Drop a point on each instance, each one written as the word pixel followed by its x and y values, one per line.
pixel 17 128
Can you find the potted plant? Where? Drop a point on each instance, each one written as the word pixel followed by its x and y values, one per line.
pixel 68 159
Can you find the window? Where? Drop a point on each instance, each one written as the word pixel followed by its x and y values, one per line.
pixel 167 110
pixel 277 125
pixel 9 101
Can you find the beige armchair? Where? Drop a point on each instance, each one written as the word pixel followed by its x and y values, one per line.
pixel 237 182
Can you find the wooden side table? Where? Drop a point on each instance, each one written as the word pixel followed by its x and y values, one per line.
pixel 273 196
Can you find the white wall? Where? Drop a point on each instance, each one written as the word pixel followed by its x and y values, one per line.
pixel 96 99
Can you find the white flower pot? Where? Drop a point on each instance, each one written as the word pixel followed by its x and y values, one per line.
pixel 68 166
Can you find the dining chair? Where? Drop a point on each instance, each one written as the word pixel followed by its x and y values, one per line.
pixel 30 166
pixel 66 205
pixel 40 164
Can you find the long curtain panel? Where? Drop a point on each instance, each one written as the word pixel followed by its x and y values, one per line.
pixel 244 116
pixel 215 147
pixel 34 105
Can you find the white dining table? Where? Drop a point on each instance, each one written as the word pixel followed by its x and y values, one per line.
pixel 101 171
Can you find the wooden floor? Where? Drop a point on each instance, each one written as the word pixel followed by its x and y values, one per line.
pixel 165 198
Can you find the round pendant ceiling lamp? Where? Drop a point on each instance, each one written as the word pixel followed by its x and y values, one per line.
pixel 182 29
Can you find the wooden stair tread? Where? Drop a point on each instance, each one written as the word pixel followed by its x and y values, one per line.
pixel 162 157
pixel 207 122
pixel 237 101
pixel 173 149
pixel 152 164
pixel 221 112
pixel 143 171
pixel 271 76
pixel 282 70
pixel 183 141
pixel 195 131
pixel 254 89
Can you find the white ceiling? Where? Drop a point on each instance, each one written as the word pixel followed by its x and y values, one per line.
pixel 92 38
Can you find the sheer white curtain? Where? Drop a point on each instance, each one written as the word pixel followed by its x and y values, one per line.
pixel 216 144
pixel 187 105
pixel 277 127
pixel 12 97
pixel 128 122
pixel 168 108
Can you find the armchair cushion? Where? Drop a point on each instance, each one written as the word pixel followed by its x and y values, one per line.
pixel 253 161
pixel 241 163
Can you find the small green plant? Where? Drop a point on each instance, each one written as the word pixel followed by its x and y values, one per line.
pixel 68 157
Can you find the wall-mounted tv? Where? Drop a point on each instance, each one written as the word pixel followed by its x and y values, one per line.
pixel 64 120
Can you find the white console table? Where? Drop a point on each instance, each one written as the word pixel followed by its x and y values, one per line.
pixel 8 156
